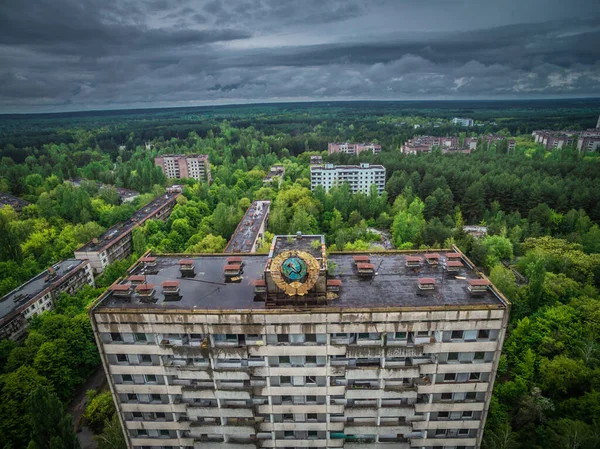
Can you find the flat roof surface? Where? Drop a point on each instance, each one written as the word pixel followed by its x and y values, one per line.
pixel 393 286
pixel 121 228
pixel 35 286
pixel 6 199
pixel 121 191
pixel 242 240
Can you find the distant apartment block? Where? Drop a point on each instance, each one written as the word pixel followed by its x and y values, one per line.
pixel 116 243
pixel 301 349
pixel 353 148
pixel 251 230
pixel 39 293
pixel 125 195
pixel 276 170
pixel 426 144
pixel 588 140
pixel 178 166
pixel 6 199
pixel 358 177
pixel 462 121
pixel 316 159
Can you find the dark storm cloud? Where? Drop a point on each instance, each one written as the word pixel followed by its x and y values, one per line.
pixel 66 54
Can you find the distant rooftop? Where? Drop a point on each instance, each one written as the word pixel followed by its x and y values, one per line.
pixel 123 193
pixel 362 166
pixel 242 240
pixel 394 285
pixel 118 230
pixel 6 199
pixel 30 289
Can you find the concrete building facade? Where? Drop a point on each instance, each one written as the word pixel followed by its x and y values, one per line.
pixel 463 121
pixel 39 293
pixel 297 349
pixel 117 243
pixel 352 148
pixel 177 166
pixel 358 177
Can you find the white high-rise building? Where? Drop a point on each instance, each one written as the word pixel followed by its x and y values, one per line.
pixel 298 349
pixel 358 177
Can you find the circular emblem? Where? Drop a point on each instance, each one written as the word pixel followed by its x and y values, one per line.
pixel 294 269
pixel 295 272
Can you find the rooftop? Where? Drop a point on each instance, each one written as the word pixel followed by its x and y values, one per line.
pixel 242 240
pixel 190 156
pixel 30 289
pixel 394 285
pixel 17 204
pixel 123 193
pixel 362 166
pixel 120 229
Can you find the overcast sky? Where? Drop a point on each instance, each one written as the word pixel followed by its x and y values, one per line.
pixel 58 55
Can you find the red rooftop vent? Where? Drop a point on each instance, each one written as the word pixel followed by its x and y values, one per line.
pixel 365 269
pixel 122 291
pixel 454 265
pixel 413 261
pixel 478 286
pixel 186 267
pixel 426 283
pixel 362 259
pixel 145 292
pixel 171 290
pixel 234 260
pixel 260 289
pixel 149 261
pixel 333 285
pixel 453 256
pixel 137 279
pixel 232 272
pixel 432 258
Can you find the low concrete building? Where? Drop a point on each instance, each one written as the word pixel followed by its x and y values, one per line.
pixel 117 243
pixel 358 177
pixel 462 121
pixel 39 293
pixel 178 166
pixel 353 148
pixel 251 230
pixel 125 195
pixel 298 348
pixel 276 170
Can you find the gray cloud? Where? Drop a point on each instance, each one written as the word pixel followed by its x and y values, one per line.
pixel 65 55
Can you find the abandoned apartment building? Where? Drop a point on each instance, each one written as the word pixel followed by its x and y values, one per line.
pixel 300 349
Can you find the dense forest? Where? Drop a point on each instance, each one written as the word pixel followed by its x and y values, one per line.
pixel 541 209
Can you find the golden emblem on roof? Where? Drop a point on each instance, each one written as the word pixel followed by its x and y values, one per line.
pixel 295 272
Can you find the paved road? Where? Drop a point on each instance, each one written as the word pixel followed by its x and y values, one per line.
pixel 77 406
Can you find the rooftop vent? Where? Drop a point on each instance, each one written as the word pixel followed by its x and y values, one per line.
pixel 453 256
pixel 121 291
pixel 171 290
pixel 145 292
pixel 149 261
pixel 362 259
pixel 333 285
pixel 413 262
pixel 52 274
pixel 299 235
pixel 234 260
pixel 232 272
pixel 454 266
pixel 478 286
pixel 137 279
pixel 426 284
pixel 260 289
pixel 366 270
pixel 432 258
pixel 186 267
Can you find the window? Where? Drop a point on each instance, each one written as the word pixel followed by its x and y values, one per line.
pixel 142 432
pixel 363 336
pixel 468 414
pixel 311 359
pixel 453 356
pixel 463 432
pixel 311 338
pixel 285 380
pixel 286 399
pixel 137 415
pixel 284 360
pixel 283 338
pixel 121 358
pixel 313 435
pixel 127 378
pixel 449 377
pixel 457 335
pixel 288 417
pixel 311 417
pixel 440 432
pixel 196 336
pixel 311 399
pixel 474 376
pixel 310 380
pixel 442 415
pixel 483 334
pixel 479 356
pixel 132 397
pixel 115 336
pixel 289 434
pixel 160 415
pixel 471 396
pixel 446 396
pixel 423 334
pixel 164 433
pixel 150 378
pixel 231 337
pixel 145 358
pixel 141 338
pixel 400 335
pixel 155 398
